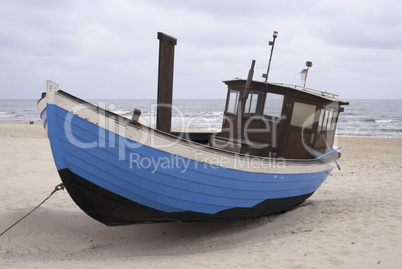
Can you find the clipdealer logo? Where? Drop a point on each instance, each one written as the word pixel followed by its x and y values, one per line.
pixel 112 134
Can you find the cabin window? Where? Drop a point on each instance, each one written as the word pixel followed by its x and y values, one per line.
pixel 321 120
pixel 233 102
pixel 273 106
pixel 330 116
pixel 254 103
pixel 327 119
pixel 303 115
pixel 334 120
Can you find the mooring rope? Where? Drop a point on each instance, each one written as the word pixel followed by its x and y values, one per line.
pixel 57 188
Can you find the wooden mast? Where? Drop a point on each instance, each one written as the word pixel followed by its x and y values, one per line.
pixel 243 100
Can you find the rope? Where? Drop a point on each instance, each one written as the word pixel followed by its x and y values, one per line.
pixel 57 188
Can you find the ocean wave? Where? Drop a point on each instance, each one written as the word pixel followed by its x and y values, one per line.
pixel 385 121
pixel 379 121
pixel 211 113
pixel 9 115
pixel 123 112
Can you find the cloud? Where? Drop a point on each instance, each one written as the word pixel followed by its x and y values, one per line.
pixel 108 49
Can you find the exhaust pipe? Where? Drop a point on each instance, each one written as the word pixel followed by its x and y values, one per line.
pixel 165 82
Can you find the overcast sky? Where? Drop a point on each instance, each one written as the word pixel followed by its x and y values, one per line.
pixel 108 49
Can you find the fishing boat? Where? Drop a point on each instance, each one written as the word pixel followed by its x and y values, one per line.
pixel 274 150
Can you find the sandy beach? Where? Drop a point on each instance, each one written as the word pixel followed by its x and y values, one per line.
pixel 353 221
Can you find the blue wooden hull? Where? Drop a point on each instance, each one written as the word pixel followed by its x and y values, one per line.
pixel 119 184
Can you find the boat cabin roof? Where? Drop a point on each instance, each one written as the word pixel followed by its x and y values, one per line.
pixel 308 91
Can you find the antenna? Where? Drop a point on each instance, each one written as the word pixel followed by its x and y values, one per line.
pixel 271 43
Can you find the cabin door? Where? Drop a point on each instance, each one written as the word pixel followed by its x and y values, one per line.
pixel 301 132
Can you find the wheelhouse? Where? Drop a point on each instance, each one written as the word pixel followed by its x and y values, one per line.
pixel 278 120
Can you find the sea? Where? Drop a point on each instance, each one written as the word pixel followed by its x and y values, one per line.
pixel 362 118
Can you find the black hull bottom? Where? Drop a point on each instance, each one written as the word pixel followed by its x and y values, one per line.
pixel 112 209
